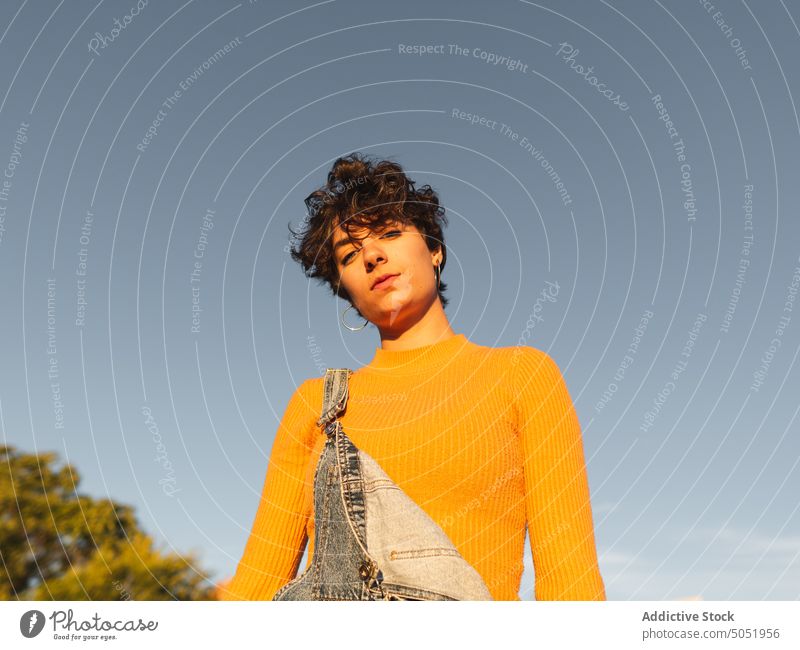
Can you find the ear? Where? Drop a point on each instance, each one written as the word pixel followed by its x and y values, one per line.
pixel 437 255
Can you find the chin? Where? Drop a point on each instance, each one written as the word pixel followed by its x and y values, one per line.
pixel 404 311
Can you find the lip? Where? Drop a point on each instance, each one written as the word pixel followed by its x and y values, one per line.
pixel 384 281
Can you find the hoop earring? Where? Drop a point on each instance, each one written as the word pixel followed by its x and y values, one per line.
pixel 352 329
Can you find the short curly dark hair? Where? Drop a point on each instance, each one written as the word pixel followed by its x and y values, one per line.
pixel 362 192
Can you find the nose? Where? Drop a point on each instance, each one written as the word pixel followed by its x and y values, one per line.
pixel 373 253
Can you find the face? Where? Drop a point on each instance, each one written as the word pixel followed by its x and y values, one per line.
pixel 400 250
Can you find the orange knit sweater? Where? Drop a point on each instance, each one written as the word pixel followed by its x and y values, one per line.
pixel 485 440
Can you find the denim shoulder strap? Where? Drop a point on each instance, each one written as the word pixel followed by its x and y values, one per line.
pixel 334 397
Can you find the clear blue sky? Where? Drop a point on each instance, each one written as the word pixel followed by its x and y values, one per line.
pixel 643 155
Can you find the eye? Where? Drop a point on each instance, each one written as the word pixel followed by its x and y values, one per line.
pixel 393 233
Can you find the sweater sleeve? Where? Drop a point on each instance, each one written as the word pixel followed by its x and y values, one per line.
pixel 278 537
pixel 557 501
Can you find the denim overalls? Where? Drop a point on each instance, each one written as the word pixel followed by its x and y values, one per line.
pixel 372 541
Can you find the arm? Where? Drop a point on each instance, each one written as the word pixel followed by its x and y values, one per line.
pixel 278 537
pixel 557 491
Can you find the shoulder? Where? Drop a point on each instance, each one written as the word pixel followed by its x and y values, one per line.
pixel 305 403
pixel 311 384
pixel 521 360
pixel 533 374
pixel 514 359
pixel 523 369
pixel 298 424
pixel 309 393
pixel 533 360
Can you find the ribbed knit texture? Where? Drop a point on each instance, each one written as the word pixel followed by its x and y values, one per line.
pixel 483 439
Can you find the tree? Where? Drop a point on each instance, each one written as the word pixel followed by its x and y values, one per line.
pixel 58 544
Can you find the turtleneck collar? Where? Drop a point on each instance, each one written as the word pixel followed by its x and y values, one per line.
pixel 416 359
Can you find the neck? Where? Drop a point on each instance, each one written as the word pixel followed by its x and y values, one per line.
pixel 432 328
pixel 391 364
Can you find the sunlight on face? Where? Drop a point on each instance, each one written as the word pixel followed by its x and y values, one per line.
pixel 397 249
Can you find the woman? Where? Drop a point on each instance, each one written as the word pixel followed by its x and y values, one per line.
pixel 485 440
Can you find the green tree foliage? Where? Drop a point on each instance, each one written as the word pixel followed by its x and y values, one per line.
pixel 58 544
